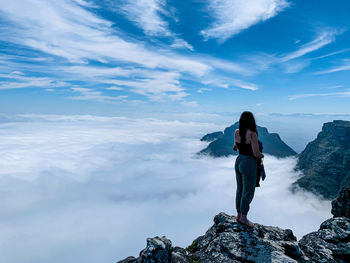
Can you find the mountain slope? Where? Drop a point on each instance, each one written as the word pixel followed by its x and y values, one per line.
pixel 222 143
pixel 325 162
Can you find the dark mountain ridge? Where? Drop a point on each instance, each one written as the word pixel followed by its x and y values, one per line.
pixel 325 162
pixel 221 143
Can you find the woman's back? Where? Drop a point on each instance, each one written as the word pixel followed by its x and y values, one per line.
pixel 250 146
pixel 248 136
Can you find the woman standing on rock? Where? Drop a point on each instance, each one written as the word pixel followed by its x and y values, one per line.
pixel 246 140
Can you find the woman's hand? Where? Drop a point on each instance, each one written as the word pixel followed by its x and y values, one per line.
pixel 234 147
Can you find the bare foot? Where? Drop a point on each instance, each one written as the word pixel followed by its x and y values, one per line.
pixel 246 222
pixel 238 217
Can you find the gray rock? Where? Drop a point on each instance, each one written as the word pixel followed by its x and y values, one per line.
pixel 179 255
pixel 341 205
pixel 229 241
pixel 128 260
pixel 156 251
pixel 331 243
pixel 159 250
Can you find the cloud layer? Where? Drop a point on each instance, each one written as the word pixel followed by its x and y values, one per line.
pixel 91 189
pixel 232 17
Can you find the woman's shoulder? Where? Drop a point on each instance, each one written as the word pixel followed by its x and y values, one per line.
pixel 251 133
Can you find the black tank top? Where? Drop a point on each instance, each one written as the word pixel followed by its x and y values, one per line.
pixel 245 149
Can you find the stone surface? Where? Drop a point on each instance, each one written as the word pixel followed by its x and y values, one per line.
pixel 231 242
pixel 325 162
pixel 227 241
pixel 159 250
pixel 222 143
pixel 341 205
pixel 331 243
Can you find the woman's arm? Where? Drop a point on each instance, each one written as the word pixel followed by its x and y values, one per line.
pixel 255 146
pixel 235 140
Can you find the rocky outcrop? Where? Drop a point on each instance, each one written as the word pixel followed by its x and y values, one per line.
pixel 341 205
pixel 331 243
pixel 212 136
pixel 159 250
pixel 228 241
pixel 325 162
pixel 222 143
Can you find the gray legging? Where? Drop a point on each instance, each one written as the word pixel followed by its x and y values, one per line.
pixel 246 169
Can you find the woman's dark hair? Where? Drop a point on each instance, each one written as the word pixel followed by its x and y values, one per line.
pixel 246 122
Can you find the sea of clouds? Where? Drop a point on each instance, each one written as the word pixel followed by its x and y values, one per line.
pixel 92 189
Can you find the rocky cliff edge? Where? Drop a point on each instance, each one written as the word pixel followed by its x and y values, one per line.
pixel 228 241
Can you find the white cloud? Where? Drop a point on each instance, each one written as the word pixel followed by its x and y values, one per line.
pixel 201 90
pixel 324 38
pixel 91 94
pixel 115 88
pixel 67 30
pixel 293 62
pixel 156 85
pixel 332 53
pixel 333 87
pixel 344 67
pixel 146 14
pixel 18 80
pixel 329 94
pixel 91 189
pixel 180 43
pixel 233 16
pixel 71 35
pixel 295 66
pixel 249 86
pixel 226 83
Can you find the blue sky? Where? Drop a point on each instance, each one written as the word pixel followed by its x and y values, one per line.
pixel 145 56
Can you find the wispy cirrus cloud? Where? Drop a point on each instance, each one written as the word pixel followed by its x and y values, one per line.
pixel 94 95
pixel 67 36
pixel 332 53
pixel 146 14
pixel 149 15
pixel 324 38
pixel 18 80
pixel 295 61
pixel 59 26
pixel 230 83
pixel 328 94
pixel 156 85
pixel 180 43
pixel 234 16
pixel 345 66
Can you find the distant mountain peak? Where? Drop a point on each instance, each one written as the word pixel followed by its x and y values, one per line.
pixel 221 143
